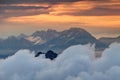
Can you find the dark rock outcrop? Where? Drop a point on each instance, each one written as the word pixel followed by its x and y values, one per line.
pixel 50 55
pixel 38 54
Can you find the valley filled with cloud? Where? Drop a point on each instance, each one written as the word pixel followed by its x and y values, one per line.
pixel 77 62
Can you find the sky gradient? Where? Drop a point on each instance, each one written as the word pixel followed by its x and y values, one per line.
pixel 99 17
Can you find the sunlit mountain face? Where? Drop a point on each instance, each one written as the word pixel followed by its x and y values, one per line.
pixel 99 17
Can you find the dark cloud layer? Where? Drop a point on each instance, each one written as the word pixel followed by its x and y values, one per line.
pixel 99 11
pixel 13 11
pixel 14 8
pixel 35 1
pixel 22 7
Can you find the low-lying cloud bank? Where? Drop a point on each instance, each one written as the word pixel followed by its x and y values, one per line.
pixel 75 63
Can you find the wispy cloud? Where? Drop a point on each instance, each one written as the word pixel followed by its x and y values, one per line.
pixel 62 7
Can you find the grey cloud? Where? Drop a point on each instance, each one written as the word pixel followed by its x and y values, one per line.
pixel 101 11
pixel 97 11
pixel 35 1
pixel 14 11
pixel 21 7
pixel 44 1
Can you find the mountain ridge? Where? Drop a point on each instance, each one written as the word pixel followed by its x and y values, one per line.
pixel 51 40
pixel 109 40
pixel 72 36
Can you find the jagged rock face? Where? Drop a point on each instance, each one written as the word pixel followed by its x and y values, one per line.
pixel 15 43
pixel 51 55
pixel 108 40
pixel 46 35
pixel 49 40
pixel 41 37
pixel 73 36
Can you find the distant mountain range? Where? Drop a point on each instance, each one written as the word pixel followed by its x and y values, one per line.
pixel 109 40
pixel 68 38
pixel 52 40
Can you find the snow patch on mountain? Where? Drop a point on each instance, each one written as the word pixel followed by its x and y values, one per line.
pixel 36 40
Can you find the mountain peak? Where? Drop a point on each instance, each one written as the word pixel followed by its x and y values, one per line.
pixel 44 35
pixel 72 36
pixel 51 30
pixel 39 33
pixel 21 36
pixel 76 28
pixel 36 33
pixel 76 32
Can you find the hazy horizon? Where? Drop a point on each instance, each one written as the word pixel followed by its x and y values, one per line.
pixel 96 33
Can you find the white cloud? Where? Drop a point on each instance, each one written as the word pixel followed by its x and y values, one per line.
pixel 75 63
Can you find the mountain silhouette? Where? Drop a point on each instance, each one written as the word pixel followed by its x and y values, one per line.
pixel 51 40
pixel 109 40
pixel 71 37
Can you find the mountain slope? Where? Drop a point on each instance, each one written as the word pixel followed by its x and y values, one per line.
pixel 50 39
pixel 40 37
pixel 15 43
pixel 71 37
pixel 108 40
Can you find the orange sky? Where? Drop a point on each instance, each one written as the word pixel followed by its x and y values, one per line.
pixel 101 18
